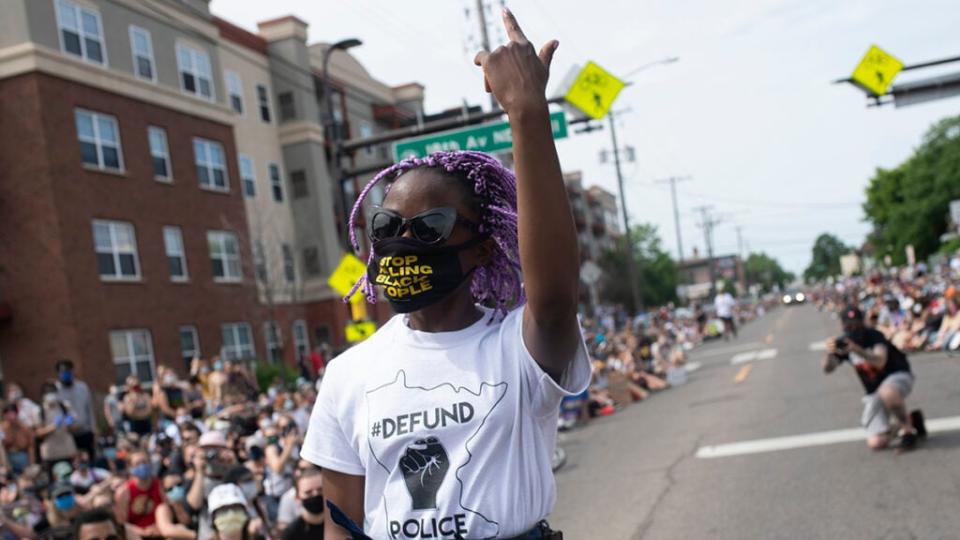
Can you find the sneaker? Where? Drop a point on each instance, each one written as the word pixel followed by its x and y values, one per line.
pixel 908 441
pixel 916 418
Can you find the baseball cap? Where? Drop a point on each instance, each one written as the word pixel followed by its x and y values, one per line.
pixel 851 313
pixel 60 489
pixel 213 438
pixel 62 470
pixel 225 495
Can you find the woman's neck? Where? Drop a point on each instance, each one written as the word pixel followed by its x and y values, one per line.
pixel 450 314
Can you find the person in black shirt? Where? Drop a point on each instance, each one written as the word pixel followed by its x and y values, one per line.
pixel 309 524
pixel 886 377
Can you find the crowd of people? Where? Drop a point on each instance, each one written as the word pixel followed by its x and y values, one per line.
pixel 213 456
pixel 916 308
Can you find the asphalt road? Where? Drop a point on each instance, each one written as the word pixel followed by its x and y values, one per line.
pixel 637 474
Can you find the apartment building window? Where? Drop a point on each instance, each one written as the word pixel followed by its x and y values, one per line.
pixel 142 47
pixel 288 109
pixel 276 184
pixel 176 255
pixel 301 340
pixel 81 32
pixel 247 176
pixel 195 72
pixel 263 98
pixel 237 341
pixel 211 165
pixel 224 256
pixel 189 344
pixel 132 352
pixel 116 247
pixel 289 268
pixel 311 261
pixel 366 131
pixel 99 139
pixel 160 153
pixel 271 334
pixel 298 181
pixel 234 90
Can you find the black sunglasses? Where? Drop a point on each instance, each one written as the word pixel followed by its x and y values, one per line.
pixel 432 227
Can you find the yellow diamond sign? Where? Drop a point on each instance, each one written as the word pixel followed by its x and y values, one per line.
pixel 359 331
pixel 877 70
pixel 347 273
pixel 594 90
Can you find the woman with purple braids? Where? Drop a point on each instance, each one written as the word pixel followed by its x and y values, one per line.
pixel 443 423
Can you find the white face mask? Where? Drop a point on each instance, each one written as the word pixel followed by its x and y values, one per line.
pixel 230 522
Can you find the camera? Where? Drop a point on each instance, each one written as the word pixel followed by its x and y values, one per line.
pixel 840 342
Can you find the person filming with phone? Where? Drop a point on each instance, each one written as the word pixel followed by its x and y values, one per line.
pixel 885 373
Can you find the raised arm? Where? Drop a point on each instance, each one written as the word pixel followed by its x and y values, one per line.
pixel 549 253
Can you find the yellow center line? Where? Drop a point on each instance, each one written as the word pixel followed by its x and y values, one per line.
pixel 742 374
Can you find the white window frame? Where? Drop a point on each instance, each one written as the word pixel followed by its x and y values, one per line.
pixel 234 85
pixel 276 182
pixel 253 175
pixel 165 153
pixel 96 140
pixel 264 102
pixel 176 251
pixel 196 351
pixel 78 15
pixel 366 130
pixel 150 56
pixel 236 351
pixel 194 69
pixel 132 358
pixel 206 161
pixel 220 238
pixel 115 252
pixel 271 344
pixel 300 340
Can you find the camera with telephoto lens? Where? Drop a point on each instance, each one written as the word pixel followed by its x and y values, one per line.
pixel 840 342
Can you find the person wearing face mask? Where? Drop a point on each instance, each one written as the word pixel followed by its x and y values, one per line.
pixel 281 454
pixel 174 520
pixel 56 442
pixel 77 394
pixel 28 412
pixel 138 498
pixel 168 396
pixel 230 514
pixel 84 477
pixel 62 507
pixel 210 465
pixel 309 525
pixel 137 408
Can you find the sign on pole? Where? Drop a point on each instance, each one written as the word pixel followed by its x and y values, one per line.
pixel 876 71
pixel 359 331
pixel 594 90
pixel 348 272
pixel 493 137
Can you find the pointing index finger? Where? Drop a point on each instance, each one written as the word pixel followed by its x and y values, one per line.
pixel 513 28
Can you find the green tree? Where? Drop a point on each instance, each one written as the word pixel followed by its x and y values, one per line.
pixel 765 271
pixel 658 271
pixel 909 204
pixel 825 260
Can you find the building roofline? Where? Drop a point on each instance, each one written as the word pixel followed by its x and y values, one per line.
pixel 240 36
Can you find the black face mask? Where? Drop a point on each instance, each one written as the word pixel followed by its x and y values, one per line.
pixel 314 504
pixel 413 274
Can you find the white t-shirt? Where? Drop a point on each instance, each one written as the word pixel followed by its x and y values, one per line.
pixel 454 432
pixel 724 304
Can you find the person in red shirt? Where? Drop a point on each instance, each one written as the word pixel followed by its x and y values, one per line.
pixel 318 361
pixel 138 498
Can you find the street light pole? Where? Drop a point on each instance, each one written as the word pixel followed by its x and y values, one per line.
pixel 631 260
pixel 335 138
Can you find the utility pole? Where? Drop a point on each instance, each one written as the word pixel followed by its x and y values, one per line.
pixel 676 213
pixel 631 261
pixel 740 242
pixel 708 222
pixel 485 42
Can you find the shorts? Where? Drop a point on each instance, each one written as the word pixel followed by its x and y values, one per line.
pixel 876 419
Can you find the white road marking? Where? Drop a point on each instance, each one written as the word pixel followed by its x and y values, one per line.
pixel 692 366
pixel 750 356
pixel 720 351
pixel 759 446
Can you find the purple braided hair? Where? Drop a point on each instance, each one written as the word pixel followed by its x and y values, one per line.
pixel 494 187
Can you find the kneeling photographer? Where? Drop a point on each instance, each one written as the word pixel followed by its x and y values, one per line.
pixel 885 373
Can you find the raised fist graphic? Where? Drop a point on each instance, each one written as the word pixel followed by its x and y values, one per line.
pixel 424 466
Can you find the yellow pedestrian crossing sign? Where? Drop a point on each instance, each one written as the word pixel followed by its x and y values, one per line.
pixel 346 274
pixel 594 90
pixel 876 71
pixel 359 331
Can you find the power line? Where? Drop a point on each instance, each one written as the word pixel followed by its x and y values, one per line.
pixel 676 214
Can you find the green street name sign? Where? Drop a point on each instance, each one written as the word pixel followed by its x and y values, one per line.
pixel 483 138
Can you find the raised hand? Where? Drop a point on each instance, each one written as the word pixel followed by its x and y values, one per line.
pixel 424 466
pixel 514 72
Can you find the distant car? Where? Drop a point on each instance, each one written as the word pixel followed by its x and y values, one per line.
pixel 791 298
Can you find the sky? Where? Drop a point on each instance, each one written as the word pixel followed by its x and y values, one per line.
pixel 748 112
